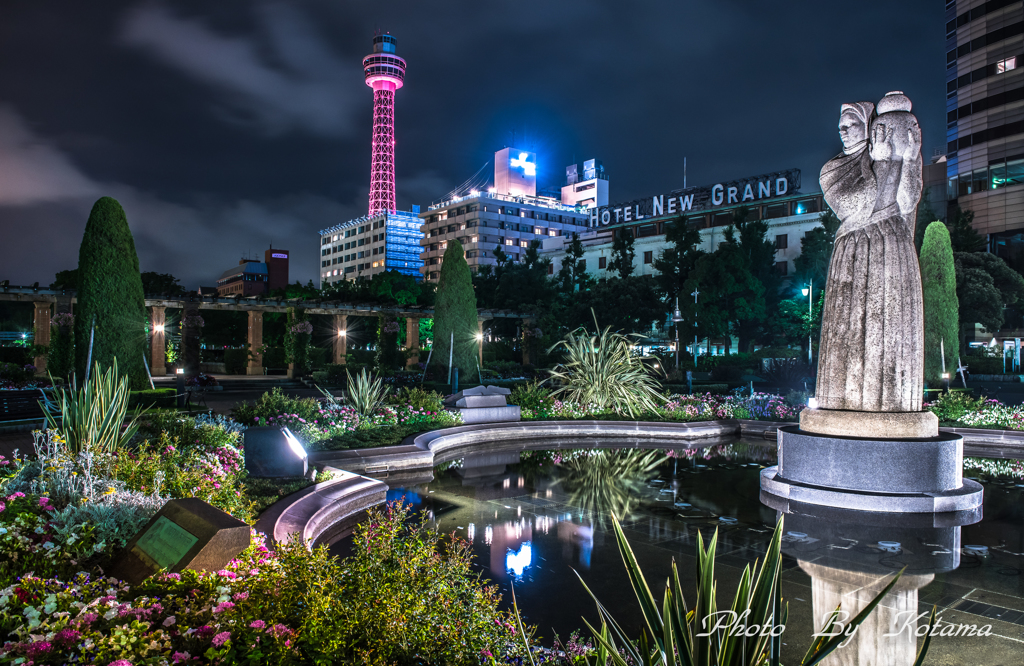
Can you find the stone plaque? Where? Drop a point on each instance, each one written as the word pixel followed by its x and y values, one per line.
pixel 163 544
pixel 185 534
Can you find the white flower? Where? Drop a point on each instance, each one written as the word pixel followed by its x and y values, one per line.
pixel 3 530
pixel 49 545
pixel 110 614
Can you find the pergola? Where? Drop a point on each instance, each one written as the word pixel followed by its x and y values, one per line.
pixel 45 300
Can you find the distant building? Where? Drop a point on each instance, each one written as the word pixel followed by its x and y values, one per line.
pixel 774 198
pixel 253 278
pixel 366 246
pixel 985 118
pixel 585 186
pixel 509 215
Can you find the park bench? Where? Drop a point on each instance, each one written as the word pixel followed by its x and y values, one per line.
pixel 20 405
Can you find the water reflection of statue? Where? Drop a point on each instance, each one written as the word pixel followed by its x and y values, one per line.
pixel 872 334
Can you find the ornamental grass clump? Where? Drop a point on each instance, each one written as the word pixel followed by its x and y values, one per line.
pixel 601 370
pixel 93 417
pixel 366 393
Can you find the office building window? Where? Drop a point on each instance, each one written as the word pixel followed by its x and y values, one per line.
pixel 782 267
pixel 782 241
pixel 1004 66
pixel 602 262
pixel 648 256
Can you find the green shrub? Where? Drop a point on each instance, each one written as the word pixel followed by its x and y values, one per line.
pixel 953 405
pixel 274 357
pixel 15 374
pixel 419 398
pixel 319 377
pixel 986 365
pixel 318 357
pixel 274 403
pixel 778 352
pixel 455 315
pixel 236 361
pixel 532 396
pixel 162 397
pixel 60 357
pixel 941 308
pixel 335 373
pixel 728 373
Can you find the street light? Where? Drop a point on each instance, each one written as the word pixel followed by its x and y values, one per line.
pixel 808 292
pixel 676 318
pixel 695 293
pixel 342 333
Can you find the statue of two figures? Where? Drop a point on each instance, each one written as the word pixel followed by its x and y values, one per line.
pixel 871 360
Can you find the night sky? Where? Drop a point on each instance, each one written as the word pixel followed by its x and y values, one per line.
pixel 223 127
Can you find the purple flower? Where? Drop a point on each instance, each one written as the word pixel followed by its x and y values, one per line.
pixel 257 624
pixel 221 638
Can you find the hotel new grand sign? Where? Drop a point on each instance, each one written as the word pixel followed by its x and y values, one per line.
pixel 700 199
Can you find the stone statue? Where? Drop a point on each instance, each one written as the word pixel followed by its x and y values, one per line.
pixel 872 333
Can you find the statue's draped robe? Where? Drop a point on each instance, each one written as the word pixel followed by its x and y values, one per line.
pixel 872 331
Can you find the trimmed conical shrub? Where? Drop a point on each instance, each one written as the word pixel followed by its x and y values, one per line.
pixel 110 294
pixel 455 313
pixel 941 310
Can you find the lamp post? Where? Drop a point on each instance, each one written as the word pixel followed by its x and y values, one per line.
pixel 676 318
pixel 808 292
pixel 695 293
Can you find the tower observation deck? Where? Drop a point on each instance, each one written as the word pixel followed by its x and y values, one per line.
pixel 385 74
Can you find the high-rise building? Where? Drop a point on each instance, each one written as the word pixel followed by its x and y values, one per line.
pixel 985 117
pixel 385 74
pixel 386 238
pixel 585 185
pixel 509 215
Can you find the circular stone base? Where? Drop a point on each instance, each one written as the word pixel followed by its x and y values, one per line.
pixel 968 496
pixel 876 425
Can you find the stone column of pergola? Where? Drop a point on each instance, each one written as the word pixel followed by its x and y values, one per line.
pixel 340 339
pixel 158 344
pixel 42 331
pixel 412 340
pixel 255 340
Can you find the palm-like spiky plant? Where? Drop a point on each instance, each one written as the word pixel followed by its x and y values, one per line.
pixel 92 418
pixel 675 635
pixel 602 370
pixel 366 392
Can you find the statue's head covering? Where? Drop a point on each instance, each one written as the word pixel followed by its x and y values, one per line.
pixel 864 111
pixel 894 101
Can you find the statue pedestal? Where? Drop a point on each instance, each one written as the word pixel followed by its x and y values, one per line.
pixel 881 425
pixel 920 475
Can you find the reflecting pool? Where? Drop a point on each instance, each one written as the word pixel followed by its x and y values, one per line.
pixel 537 519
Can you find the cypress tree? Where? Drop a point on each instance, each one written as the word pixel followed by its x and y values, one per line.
pixel 110 293
pixel 941 310
pixel 455 312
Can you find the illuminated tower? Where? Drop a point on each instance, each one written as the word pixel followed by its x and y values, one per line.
pixel 385 73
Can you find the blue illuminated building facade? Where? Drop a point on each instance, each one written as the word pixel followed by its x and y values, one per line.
pixel 363 247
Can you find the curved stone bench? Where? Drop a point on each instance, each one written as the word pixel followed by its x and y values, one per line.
pixel 322 509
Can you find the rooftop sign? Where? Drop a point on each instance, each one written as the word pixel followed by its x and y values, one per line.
pixel 698 199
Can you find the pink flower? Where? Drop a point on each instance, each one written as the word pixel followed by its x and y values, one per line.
pixel 121 662
pixel 180 657
pixel 2 506
pixel 223 606
pixel 221 638
pixel 14 496
pixel 279 630
pixel 170 620
pixel 227 574
pixel 257 624
pixel 173 576
pixel 241 596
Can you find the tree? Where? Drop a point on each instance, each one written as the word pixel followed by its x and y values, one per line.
pixel 925 216
pixel 455 316
pixel 732 298
pixel 161 283
pixel 984 286
pixel 674 265
pixel 392 288
pixel 66 280
pixel 962 233
pixel 110 295
pixel 941 308
pixel 622 253
pixel 574 269
pixel 816 250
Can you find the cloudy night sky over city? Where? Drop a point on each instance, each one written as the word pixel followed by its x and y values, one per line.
pixel 225 127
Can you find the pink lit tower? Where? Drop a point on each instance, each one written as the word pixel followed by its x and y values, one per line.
pixel 385 73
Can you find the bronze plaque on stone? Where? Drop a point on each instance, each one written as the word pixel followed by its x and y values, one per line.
pixel 163 544
pixel 185 534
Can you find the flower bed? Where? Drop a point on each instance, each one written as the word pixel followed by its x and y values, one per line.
pixel 707 407
pixel 959 408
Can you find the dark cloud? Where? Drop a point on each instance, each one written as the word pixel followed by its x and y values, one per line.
pixel 223 127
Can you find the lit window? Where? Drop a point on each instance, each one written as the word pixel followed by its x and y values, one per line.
pixel 474 239
pixel 523 243
pixel 552 232
pixel 1006 65
pixel 509 241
